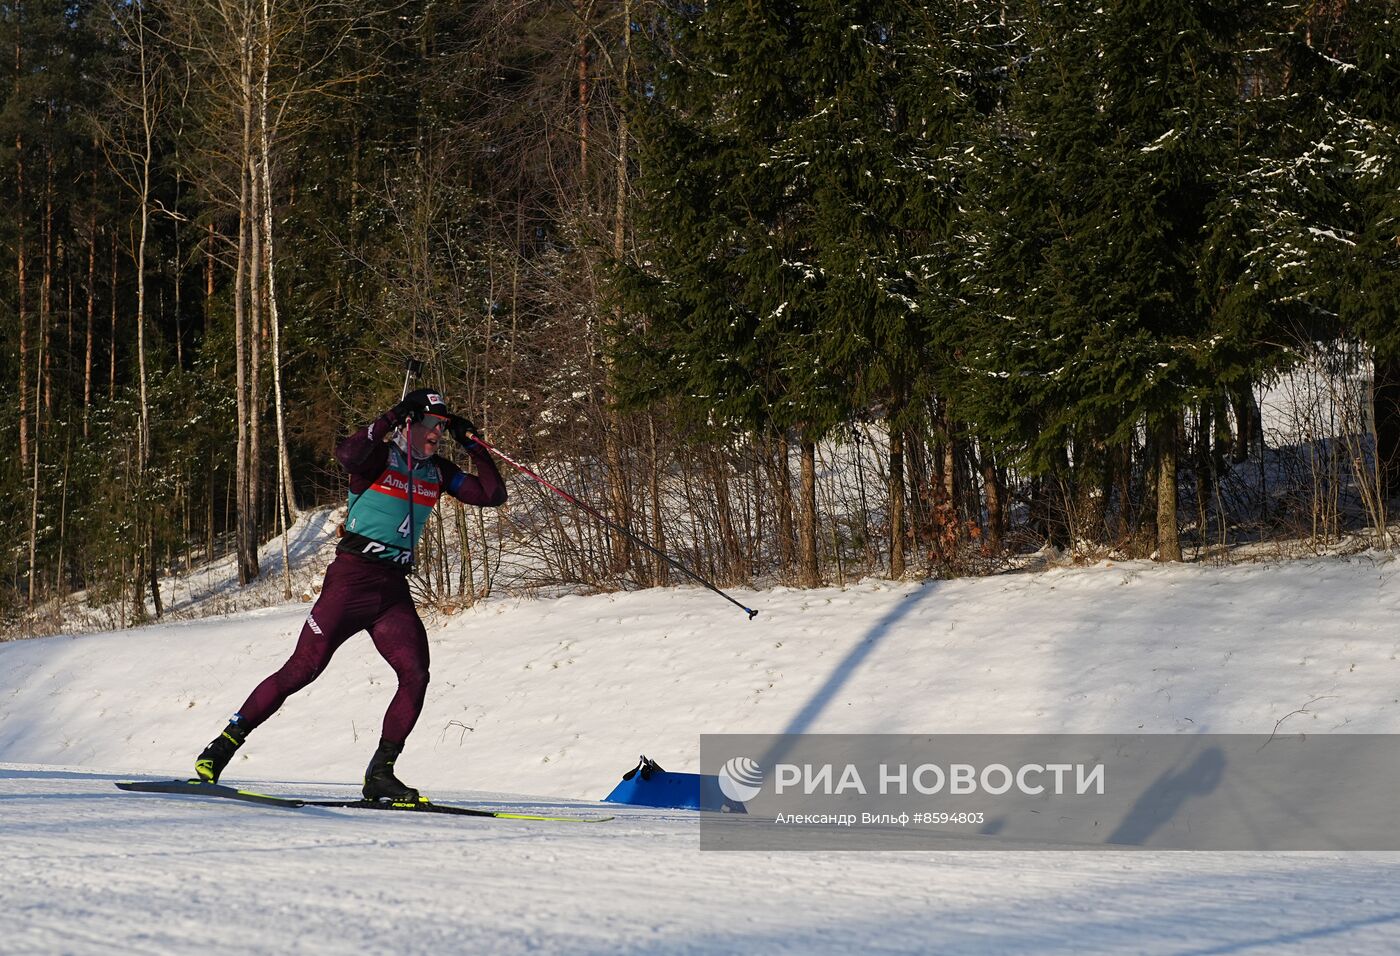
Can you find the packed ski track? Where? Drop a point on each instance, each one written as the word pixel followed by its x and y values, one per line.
pixel 540 705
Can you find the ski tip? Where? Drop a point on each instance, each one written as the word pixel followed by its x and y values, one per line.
pixel 542 818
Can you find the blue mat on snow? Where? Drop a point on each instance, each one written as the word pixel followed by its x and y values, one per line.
pixel 650 786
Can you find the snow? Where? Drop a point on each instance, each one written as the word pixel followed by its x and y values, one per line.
pixel 1161 142
pixel 1329 234
pixel 544 703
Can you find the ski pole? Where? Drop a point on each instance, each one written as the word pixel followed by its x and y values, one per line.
pixel 611 524
pixel 411 367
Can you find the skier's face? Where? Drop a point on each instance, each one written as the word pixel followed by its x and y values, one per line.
pixel 427 434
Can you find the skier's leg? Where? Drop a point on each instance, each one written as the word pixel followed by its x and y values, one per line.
pixel 328 626
pixel 335 616
pixel 401 639
pixel 399 636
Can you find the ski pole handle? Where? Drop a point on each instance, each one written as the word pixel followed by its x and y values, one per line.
pixel 411 367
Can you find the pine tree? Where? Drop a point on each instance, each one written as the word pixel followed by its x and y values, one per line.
pixel 1331 206
pixel 892 91
pixel 1305 250
pixel 728 279
pixel 1088 321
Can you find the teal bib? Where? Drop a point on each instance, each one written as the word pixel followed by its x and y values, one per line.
pixel 378 524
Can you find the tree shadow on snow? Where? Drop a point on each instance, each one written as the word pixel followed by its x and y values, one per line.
pixel 802 722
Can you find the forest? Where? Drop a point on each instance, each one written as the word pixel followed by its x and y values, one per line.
pixel 796 291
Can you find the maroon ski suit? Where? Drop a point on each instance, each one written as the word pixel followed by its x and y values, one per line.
pixel 363 594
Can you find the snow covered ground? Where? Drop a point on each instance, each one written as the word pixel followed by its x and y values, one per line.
pixel 545 703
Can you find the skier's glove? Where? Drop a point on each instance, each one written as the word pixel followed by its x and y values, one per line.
pixel 462 429
pixel 414 406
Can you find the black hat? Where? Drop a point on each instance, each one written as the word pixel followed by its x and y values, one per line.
pixel 425 401
pixel 437 405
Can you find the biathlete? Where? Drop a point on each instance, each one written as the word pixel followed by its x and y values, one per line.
pixel 366 586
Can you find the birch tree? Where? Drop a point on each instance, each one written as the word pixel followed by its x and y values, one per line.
pixel 128 136
pixel 258 63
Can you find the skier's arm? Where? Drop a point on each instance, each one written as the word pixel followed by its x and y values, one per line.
pixel 366 452
pixel 485 488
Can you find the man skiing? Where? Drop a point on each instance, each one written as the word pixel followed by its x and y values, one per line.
pixel 366 586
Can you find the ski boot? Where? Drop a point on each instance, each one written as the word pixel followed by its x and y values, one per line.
pixel 380 782
pixel 220 751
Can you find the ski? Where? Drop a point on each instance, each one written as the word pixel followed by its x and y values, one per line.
pixel 424 805
pixel 199 788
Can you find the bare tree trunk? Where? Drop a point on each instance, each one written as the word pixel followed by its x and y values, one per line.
pixel 21 263
pixel 68 312
pixel 1248 429
pixel 148 120
pixel 112 341
pixel 466 570
pixel 284 469
pixel 236 51
pixel 811 574
pixel 731 554
pixel 1121 465
pixel 661 570
pixel 257 330
pixel 896 495
pixel 618 490
pixel 1205 474
pixel 61 578
pixel 996 508
pixel 153 571
pixel 247 519
pixel 582 8
pixel 208 314
pixel 23 348
pixel 145 221
pixel 137 581
pixel 209 516
pixel 1168 541
pixel 46 278
pixel 619 481
pixel 950 460
pixel 620 180
pixel 787 534
pixel 286 552
pixel 34 496
pixel 922 464
pixel 91 304
pixel 209 272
